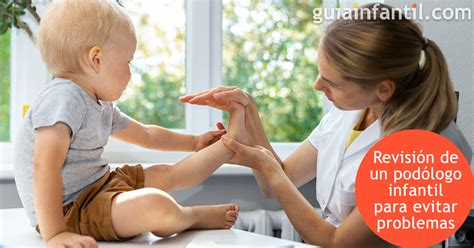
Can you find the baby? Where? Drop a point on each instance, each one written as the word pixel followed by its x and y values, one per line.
pixel 66 187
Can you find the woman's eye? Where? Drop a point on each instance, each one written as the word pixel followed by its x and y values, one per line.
pixel 331 84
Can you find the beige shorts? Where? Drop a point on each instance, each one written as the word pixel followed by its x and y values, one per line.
pixel 90 213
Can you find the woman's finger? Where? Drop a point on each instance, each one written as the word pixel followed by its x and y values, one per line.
pixel 234 95
pixel 191 96
pixel 201 96
pixel 185 98
pixel 209 95
pixel 235 145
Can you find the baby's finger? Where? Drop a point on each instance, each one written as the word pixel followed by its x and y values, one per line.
pixel 218 133
pixel 214 140
pixel 220 126
pixel 89 242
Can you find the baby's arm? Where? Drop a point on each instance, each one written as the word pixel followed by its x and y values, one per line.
pixel 156 137
pixel 51 146
pixel 159 138
pixel 197 167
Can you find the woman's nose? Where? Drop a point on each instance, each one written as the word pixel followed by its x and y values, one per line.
pixel 317 85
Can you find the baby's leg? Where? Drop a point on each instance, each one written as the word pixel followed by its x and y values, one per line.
pixel 237 123
pixel 152 210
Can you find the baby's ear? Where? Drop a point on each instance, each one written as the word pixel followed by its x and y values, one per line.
pixel 94 58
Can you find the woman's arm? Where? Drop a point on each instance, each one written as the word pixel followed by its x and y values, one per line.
pixel 353 231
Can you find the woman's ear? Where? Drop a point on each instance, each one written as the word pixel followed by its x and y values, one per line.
pixel 94 58
pixel 386 89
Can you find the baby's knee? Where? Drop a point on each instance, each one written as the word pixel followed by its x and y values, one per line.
pixel 159 204
pixel 163 233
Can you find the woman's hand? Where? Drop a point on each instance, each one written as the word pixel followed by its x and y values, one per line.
pixel 219 97
pixel 255 157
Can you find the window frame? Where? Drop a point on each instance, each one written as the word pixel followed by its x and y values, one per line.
pixel 6 149
pixel 203 71
pixel 25 66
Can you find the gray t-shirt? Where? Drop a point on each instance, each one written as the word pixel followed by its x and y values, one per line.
pixel 91 124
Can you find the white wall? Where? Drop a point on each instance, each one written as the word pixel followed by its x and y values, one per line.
pixel 242 190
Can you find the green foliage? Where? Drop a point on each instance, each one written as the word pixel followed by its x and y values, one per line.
pixel 270 51
pixel 155 101
pixel 5 86
pixel 11 12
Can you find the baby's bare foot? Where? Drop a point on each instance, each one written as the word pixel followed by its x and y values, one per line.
pixel 237 123
pixel 215 216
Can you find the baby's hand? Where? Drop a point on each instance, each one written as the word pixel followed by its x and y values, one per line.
pixel 208 138
pixel 67 239
pixel 237 123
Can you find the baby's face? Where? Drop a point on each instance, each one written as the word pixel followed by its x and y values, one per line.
pixel 115 70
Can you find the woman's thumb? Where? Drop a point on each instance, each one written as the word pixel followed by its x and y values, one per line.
pixel 232 144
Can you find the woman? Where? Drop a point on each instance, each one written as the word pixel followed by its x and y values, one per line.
pixel 382 76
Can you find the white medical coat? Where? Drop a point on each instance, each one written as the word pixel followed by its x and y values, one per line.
pixel 337 166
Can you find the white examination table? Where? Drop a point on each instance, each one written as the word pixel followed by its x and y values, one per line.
pixel 15 231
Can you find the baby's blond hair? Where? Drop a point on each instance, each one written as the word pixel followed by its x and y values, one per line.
pixel 70 28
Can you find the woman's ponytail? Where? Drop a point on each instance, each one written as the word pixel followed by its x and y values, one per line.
pixel 424 100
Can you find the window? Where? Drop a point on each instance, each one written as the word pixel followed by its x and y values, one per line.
pixel 5 86
pixel 174 57
pixel 269 49
pixel 266 47
pixel 158 67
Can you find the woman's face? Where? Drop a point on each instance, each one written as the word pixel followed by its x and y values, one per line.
pixel 343 94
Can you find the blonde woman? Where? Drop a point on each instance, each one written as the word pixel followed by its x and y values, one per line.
pixel 382 76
